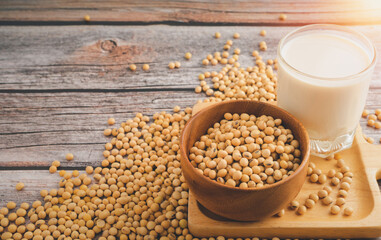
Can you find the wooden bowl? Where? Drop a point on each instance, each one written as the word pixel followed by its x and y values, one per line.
pixel 232 202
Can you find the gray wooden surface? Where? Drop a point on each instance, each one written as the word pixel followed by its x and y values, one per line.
pixel 58 87
pixel 257 12
pixel 71 58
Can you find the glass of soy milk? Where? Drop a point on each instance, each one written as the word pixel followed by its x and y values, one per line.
pixel 323 80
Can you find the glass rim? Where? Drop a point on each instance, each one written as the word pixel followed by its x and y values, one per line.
pixel 333 27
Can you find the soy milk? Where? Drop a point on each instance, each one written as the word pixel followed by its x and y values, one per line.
pixel 322 83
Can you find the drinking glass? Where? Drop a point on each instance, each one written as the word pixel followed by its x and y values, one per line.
pixel 329 107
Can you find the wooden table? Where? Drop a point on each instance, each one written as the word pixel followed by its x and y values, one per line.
pixel 62 78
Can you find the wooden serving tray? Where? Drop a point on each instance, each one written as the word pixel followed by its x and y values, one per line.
pixel 364 197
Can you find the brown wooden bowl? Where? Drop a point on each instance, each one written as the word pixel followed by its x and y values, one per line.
pixel 232 202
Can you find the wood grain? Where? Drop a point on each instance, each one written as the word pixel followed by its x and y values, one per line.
pixel 37 128
pixel 88 58
pixel 192 12
pixel 34 180
pixel 49 108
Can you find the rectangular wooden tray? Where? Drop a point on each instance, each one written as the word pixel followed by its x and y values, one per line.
pixel 364 197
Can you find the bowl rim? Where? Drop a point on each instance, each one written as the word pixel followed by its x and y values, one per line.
pixel 238 189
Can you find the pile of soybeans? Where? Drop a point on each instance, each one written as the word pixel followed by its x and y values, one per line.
pixel 246 151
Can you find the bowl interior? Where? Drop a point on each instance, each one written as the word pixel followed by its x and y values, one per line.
pixel 206 118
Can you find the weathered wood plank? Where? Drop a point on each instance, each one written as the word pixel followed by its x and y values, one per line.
pixel 242 12
pixel 72 58
pixel 34 180
pixel 37 128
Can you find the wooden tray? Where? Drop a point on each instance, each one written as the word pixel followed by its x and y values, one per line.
pixel 364 197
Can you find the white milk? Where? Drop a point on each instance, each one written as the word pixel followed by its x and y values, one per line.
pixel 328 108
